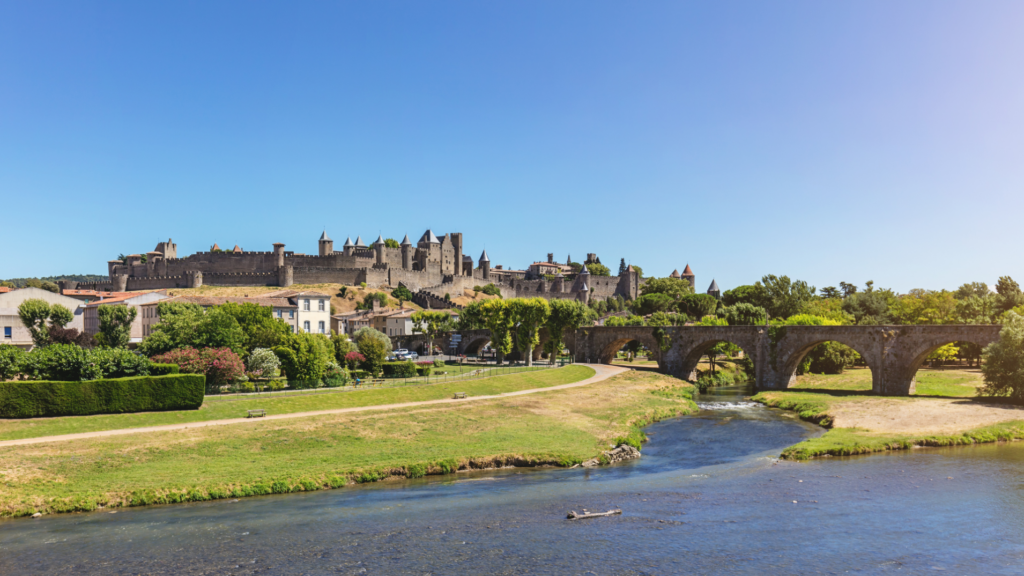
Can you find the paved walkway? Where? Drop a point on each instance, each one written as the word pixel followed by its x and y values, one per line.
pixel 603 373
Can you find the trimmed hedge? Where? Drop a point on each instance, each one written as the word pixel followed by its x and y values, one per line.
pixel 162 369
pixel 36 398
pixel 399 370
pixel 424 370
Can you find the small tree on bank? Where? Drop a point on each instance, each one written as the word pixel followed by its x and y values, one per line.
pixel 1003 365
pixel 115 325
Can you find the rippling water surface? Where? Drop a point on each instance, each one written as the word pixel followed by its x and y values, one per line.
pixel 708 496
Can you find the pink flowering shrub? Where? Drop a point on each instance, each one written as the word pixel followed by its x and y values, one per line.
pixel 353 359
pixel 221 366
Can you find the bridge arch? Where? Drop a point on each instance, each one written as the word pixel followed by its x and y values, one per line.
pixel 688 344
pixel 795 342
pixel 918 346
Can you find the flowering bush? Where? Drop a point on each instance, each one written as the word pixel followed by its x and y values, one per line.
pixel 335 376
pixel 263 363
pixel 221 366
pixel 353 359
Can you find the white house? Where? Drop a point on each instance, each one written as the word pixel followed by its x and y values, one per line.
pixel 14 332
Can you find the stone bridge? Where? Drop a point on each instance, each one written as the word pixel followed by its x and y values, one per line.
pixel 893 353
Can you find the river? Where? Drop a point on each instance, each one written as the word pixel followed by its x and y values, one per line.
pixel 707 496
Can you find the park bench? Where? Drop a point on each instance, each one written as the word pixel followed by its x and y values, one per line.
pixel 459 395
pixel 258 413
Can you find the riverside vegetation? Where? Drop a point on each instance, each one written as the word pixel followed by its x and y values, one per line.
pixel 556 428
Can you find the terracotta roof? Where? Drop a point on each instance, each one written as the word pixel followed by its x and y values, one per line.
pixel 4 289
pixel 215 247
pixel 675 274
pixel 687 271
pixel 237 250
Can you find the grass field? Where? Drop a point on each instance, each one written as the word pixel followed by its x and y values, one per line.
pixel 560 427
pixel 217 408
pixel 944 411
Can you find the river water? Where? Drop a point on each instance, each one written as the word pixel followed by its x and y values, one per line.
pixel 707 496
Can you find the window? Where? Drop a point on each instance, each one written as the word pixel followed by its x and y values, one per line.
pixel 305 305
pixel 305 325
pixel 291 313
pixel 279 312
pixel 322 328
pixel 321 308
pixel 7 332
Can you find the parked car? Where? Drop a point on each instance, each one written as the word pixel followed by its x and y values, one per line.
pixel 411 356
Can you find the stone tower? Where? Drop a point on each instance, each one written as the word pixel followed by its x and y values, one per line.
pixel 194 279
pixel 485 265
pixel 713 290
pixel 407 253
pixel 326 245
pixel 279 254
pixel 689 277
pixel 456 238
pixel 584 294
pixel 349 247
pixel 559 284
pixel 378 247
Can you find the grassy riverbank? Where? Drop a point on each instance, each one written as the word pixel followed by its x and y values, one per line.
pixel 945 411
pixel 227 407
pixel 560 427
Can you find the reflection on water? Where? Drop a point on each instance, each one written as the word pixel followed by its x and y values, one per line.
pixel 708 496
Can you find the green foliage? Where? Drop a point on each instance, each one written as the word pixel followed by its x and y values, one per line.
pixel 119 363
pixel 438 363
pixel 831 308
pixel 259 327
pixel 565 315
pixel 60 315
pixel 335 376
pixel 35 399
pixel 262 363
pixel 1010 295
pixel 979 289
pixel 675 288
pixel 490 290
pixel 746 294
pixel 635 438
pixel 391 243
pixel 402 294
pixel 12 359
pixel 597 269
pixel 368 332
pixel 220 366
pixel 157 369
pixel 367 303
pixel 33 314
pixel 424 370
pixel 780 296
pixel 528 315
pixel 375 352
pixel 667 319
pixel 399 370
pixel 1003 365
pixel 115 325
pixel 415 471
pixel 871 306
pixel 312 354
pixel 498 318
pixel 60 362
pixel 828 358
pixel 625 321
pixel 698 305
pixel 706 380
pixel 434 324
pixel 44 285
pixel 471 317
pixel 651 303
pixel 744 314
pixel 342 346
pixel 218 328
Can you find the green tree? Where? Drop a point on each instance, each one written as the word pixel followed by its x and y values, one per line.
pixel 871 307
pixel 491 290
pixel 34 313
pixel 741 294
pixel 259 327
pixel 375 353
pixel 218 328
pixel 1003 361
pixel 744 314
pixel 115 325
pixel 179 322
pixel 780 296
pixel 674 288
pixel 60 316
pixel 597 269
pixel 1009 292
pixel 313 352
pixel 528 315
pixel 12 359
pixel 497 317
pixel 698 305
pixel 391 243
pixel 639 270
pixel 848 289
pixel 564 315
pixel 342 346
pixel 651 303
pixel 262 363
pixel 979 289
pixel 471 317
pixel 402 294
pixel 830 292
pixel 367 332
pixel 367 303
pixel 434 324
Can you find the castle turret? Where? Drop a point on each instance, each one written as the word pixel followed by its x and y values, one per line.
pixel 406 253
pixel 674 274
pixel 558 285
pixel 378 247
pixel 120 282
pixel 359 242
pixel 193 279
pixel 456 238
pixel 584 295
pixel 714 291
pixel 285 276
pixel 326 245
pixel 485 265
pixel 349 247
pixel 279 254
pixel 689 277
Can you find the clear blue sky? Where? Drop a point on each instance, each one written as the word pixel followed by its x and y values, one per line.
pixel 828 141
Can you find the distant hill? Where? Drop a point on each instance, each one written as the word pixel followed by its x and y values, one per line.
pixel 22 282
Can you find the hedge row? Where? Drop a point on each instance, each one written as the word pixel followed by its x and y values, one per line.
pixel 35 398
pixel 399 370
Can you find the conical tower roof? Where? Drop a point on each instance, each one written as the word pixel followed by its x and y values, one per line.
pixel 584 288
pixel 687 271
pixel 324 237
pixel 359 242
pixel 348 242
pixel 431 238
pixel 675 274
pixel 584 271
pixel 406 241
pixel 380 239
pixel 713 287
pixel 484 258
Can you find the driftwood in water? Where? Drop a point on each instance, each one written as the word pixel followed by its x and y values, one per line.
pixel 574 515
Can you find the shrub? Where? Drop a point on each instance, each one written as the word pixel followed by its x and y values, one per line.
pixel 707 380
pixel 120 363
pixel 335 376
pixel 221 366
pixel 438 363
pixel 34 399
pixel 375 353
pixel 11 360
pixel 399 369
pixel 424 370
pixel 353 359
pixel 263 363
pixel 415 471
pixel 162 369
pixel 64 362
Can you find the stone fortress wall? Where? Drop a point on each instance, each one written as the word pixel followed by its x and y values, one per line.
pixel 434 266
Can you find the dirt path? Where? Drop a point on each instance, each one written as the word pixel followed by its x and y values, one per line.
pixel 920 415
pixel 603 373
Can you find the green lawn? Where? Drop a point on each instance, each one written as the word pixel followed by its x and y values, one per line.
pixel 559 427
pixel 218 408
